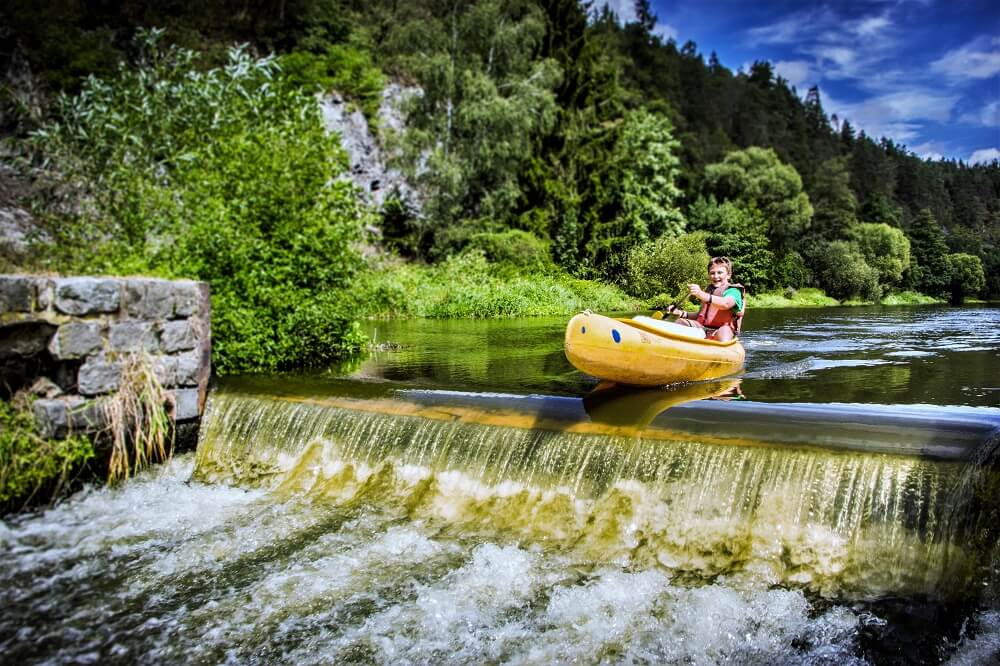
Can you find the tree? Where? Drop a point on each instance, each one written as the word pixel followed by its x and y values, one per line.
pixel 484 102
pixel 755 177
pixel 833 202
pixel 739 234
pixel 967 276
pixel 885 249
pixel 929 269
pixel 844 273
pixel 640 192
pixel 662 268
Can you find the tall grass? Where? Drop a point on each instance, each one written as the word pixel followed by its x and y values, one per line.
pixel 138 418
pixel 468 286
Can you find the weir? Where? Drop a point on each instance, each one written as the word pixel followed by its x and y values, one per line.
pixel 884 506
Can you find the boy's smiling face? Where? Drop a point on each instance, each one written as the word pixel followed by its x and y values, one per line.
pixel 718 275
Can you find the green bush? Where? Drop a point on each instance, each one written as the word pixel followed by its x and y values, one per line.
pixel 885 248
pixel 514 247
pixel 32 468
pixel 791 271
pixel 663 268
pixel 844 273
pixel 967 276
pixel 226 176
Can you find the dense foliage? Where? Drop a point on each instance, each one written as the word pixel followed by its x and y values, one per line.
pixel 32 468
pixel 223 175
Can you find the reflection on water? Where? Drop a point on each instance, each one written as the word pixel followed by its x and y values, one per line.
pixel 917 355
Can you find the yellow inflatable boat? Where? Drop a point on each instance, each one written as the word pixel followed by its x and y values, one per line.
pixel 642 351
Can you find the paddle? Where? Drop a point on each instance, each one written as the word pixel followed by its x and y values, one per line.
pixel 670 308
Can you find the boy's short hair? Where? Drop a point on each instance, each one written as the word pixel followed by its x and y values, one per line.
pixel 720 261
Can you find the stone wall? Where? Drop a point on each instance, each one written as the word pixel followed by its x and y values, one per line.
pixel 65 338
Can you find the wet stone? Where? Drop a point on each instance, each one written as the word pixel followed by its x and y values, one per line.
pixel 188 367
pixel 76 339
pixel 149 299
pixel 83 296
pixel 16 293
pixel 130 336
pixel 186 404
pixel 178 335
pixel 99 376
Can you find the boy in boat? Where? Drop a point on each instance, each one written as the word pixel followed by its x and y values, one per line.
pixel 721 309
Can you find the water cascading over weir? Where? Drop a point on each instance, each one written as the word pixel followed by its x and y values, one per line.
pixel 855 503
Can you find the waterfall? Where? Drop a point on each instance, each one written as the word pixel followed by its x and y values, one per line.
pixel 839 522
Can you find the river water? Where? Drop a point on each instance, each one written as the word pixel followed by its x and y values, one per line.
pixel 463 495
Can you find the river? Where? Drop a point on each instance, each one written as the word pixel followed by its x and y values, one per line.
pixel 463 495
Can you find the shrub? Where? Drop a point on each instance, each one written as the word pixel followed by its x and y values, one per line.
pixel 967 276
pixel 514 247
pixel 844 273
pixel 225 176
pixel 663 268
pixel 33 468
pixel 885 248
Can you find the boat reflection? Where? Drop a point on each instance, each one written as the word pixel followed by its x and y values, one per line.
pixel 622 406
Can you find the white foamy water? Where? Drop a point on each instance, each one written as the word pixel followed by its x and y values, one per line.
pixel 171 571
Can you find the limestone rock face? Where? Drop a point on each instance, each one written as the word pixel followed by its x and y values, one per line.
pixel 369 168
pixel 76 339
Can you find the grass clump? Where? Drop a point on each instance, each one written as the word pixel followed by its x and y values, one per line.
pixel 34 469
pixel 467 285
pixel 807 297
pixel 138 418
pixel 909 298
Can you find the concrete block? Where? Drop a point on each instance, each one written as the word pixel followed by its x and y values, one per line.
pixel 17 293
pixel 131 335
pixel 98 376
pixel 76 339
pixel 87 295
pixel 178 335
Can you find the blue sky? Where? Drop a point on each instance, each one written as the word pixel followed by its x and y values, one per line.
pixel 925 73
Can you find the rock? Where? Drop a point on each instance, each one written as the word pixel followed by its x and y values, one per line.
pixel 87 295
pixel 186 404
pixel 17 293
pixel 131 335
pixel 58 417
pixel 188 369
pixel 147 298
pixel 165 370
pixel 46 388
pixel 190 298
pixel 76 339
pixel 25 339
pixel 98 376
pixel 178 335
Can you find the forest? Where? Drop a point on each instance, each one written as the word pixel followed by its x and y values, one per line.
pixel 564 159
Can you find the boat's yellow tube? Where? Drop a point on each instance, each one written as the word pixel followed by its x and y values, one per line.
pixel 630 352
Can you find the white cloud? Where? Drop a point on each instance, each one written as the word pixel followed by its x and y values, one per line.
pixel 899 116
pixel 979 59
pixel 798 73
pixel 789 30
pixel 623 9
pixel 984 155
pixel 932 150
pixel 665 31
pixel 988 116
